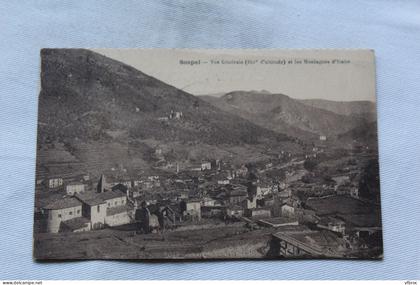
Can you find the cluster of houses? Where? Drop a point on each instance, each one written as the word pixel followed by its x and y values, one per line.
pixel 219 191
pixel 345 186
pixel 82 210
pixel 210 189
pixel 173 115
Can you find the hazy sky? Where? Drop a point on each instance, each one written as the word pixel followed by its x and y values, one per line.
pixel 299 74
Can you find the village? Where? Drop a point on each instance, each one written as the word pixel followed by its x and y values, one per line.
pixel 303 204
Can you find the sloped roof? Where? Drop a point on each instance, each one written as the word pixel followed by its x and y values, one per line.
pixel 239 187
pixel 326 220
pixel 64 203
pixel 76 223
pixel 259 209
pixel 120 187
pixel 112 194
pixel 92 198
pixel 75 183
pixel 194 200
pixel 234 207
pixel 220 176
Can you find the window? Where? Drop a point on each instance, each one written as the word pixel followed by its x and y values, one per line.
pixel 98 208
pixel 109 204
pixel 116 202
pixel 70 213
pixel 59 215
pixel 78 211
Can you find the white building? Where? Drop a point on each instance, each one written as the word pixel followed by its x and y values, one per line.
pixel 60 211
pixel 287 211
pixel 94 208
pixel 205 165
pixel 107 208
pixel 332 224
pixel 285 193
pixel 55 182
pixel 263 190
pixel 208 202
pixel 249 203
pixel 354 192
pixel 178 115
pixel 223 181
pixel 193 209
pixel 74 188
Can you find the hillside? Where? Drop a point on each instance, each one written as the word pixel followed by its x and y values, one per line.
pixel 261 118
pixel 283 114
pixel 365 134
pixel 342 108
pixel 106 113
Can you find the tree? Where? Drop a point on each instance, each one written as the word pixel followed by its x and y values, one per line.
pixel 310 164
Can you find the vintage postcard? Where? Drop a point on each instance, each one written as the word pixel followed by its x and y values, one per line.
pixel 207 154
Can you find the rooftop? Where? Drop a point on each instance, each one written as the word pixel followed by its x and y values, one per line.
pixel 76 223
pixel 235 207
pixel 194 200
pixel 120 187
pixel 327 219
pixel 75 183
pixel 64 203
pixel 259 209
pixel 93 198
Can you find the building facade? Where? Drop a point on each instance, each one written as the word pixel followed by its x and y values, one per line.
pixel 258 213
pixel 74 188
pixel 206 165
pixel 60 211
pixel 55 182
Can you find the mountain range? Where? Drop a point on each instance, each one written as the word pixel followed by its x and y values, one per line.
pixel 96 113
pixel 361 108
pixel 305 119
pixel 103 113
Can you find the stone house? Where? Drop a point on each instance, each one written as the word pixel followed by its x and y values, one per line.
pixel 60 211
pixel 191 209
pixel 287 210
pixel 332 224
pixel 258 213
pixel 205 165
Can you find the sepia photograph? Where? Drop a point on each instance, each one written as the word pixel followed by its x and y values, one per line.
pixel 170 154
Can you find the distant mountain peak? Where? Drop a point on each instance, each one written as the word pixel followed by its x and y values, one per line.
pixel 299 118
pixel 256 95
pixel 343 107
